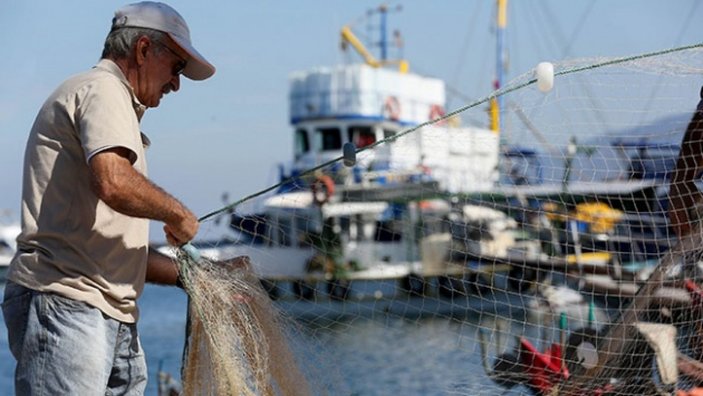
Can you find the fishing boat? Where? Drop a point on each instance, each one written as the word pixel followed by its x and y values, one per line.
pixel 379 214
pixel 401 235
pixel 658 361
pixel 630 246
pixel 654 371
pixel 629 175
pixel 296 240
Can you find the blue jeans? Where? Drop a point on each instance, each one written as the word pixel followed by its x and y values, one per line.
pixel 67 347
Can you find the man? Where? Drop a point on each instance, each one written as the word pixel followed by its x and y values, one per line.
pixel 683 193
pixel 83 256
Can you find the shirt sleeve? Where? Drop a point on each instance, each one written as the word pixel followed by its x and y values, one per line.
pixel 105 118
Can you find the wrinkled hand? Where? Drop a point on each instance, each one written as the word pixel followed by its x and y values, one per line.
pixel 183 230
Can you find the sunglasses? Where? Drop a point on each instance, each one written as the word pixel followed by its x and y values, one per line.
pixel 178 67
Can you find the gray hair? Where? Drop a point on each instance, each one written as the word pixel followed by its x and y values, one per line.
pixel 120 42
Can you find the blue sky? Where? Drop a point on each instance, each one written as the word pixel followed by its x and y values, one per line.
pixel 229 133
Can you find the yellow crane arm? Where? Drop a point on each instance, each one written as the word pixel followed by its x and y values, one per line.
pixel 349 37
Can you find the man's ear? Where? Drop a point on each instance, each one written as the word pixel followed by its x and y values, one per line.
pixel 141 49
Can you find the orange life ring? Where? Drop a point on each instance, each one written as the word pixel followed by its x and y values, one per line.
pixel 322 189
pixel 437 111
pixel 391 108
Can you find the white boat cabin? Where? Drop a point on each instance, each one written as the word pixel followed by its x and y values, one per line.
pixel 364 105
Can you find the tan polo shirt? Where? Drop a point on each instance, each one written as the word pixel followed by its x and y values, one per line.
pixel 72 243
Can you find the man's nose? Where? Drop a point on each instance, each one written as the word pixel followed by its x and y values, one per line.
pixel 176 82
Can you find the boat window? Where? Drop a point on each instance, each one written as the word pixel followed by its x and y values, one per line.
pixel 328 139
pixel 361 230
pixel 386 231
pixel 302 143
pixel 352 227
pixel 344 224
pixel 389 133
pixel 361 136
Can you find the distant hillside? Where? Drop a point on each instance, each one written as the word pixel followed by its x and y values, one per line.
pixel 664 130
pixel 600 159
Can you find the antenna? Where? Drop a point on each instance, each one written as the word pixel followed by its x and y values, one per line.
pixel 349 38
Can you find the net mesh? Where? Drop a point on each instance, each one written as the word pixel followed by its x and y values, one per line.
pixel 546 265
pixel 236 344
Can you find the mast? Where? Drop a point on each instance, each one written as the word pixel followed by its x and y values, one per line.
pixel 349 38
pixel 383 10
pixel 496 104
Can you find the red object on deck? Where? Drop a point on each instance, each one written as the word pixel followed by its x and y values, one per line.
pixel 695 292
pixel 544 369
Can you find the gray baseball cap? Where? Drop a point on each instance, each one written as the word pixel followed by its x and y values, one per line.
pixel 162 17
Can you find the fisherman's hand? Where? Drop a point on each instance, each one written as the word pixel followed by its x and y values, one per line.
pixel 242 263
pixel 182 228
pixel 238 263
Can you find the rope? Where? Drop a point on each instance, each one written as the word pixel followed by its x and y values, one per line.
pixel 495 94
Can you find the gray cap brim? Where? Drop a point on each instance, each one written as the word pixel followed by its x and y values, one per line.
pixel 197 68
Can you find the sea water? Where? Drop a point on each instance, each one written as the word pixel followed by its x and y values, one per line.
pixel 410 346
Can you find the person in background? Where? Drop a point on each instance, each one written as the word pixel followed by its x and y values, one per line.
pixel 83 256
pixel 683 193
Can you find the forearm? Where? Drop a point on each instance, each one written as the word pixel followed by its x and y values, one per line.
pixel 682 196
pixel 683 193
pixel 132 194
pixel 142 198
pixel 683 190
pixel 161 269
pixel 129 192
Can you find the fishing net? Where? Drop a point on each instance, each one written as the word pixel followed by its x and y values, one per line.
pixel 441 259
pixel 236 346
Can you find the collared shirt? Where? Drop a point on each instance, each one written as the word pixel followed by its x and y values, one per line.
pixel 72 243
